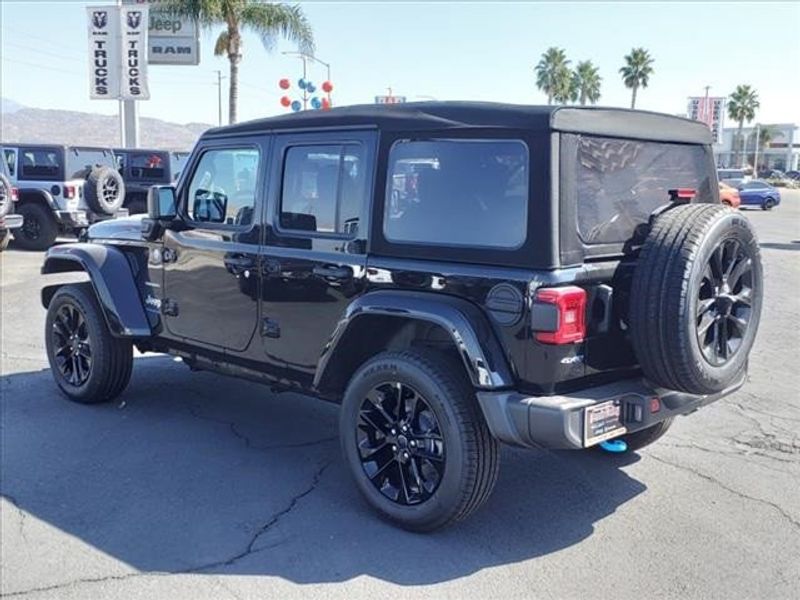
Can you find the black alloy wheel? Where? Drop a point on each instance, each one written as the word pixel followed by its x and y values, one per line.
pixel 400 443
pixel 724 303
pixel 72 344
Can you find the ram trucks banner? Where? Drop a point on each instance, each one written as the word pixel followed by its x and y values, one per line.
pixel 118 52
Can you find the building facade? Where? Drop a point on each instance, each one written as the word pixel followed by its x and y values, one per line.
pixel 778 147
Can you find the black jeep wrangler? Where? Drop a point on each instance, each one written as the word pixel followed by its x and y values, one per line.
pixel 454 274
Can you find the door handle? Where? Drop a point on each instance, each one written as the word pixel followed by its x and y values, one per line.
pixel 244 262
pixel 333 272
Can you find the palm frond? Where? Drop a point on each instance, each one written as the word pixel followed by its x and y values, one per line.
pixel 271 21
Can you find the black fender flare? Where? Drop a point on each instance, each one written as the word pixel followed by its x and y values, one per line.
pixel 476 342
pixel 112 280
pixel 46 196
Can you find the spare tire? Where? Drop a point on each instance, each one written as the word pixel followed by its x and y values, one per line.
pixel 6 203
pixel 104 190
pixel 696 298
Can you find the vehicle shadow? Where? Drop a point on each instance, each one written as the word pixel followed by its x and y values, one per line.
pixel 193 472
pixel 793 245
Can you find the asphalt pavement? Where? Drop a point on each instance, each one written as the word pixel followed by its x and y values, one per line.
pixel 198 486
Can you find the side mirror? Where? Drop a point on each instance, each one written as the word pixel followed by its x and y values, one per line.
pixel 162 204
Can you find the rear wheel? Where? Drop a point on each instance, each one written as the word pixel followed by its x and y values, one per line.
pixel 39 228
pixel 769 204
pixel 104 190
pixel 87 362
pixel 415 440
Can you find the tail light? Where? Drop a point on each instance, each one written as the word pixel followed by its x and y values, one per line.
pixel 682 194
pixel 565 309
pixel 70 192
pixel 14 194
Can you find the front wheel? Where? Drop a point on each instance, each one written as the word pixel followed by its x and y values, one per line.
pixel 416 441
pixel 769 204
pixel 87 362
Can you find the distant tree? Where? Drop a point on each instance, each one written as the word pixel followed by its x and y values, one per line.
pixel 742 106
pixel 268 20
pixel 586 83
pixel 553 75
pixel 637 70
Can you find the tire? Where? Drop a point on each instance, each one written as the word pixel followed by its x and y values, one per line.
pixel 6 203
pixel 39 228
pixel 101 363
pixel 104 190
pixel 5 236
pixel 639 439
pixel 769 204
pixel 696 298
pixel 449 487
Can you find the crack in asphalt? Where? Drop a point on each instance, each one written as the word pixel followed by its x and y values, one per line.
pixel 248 550
pixel 729 489
pixel 741 454
pixel 248 442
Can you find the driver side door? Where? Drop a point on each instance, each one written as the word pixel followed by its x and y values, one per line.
pixel 211 261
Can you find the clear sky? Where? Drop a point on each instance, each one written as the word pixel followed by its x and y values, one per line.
pixel 446 50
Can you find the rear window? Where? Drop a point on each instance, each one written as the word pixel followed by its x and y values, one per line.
pixel 457 193
pixel 80 161
pixel 39 163
pixel 621 182
pixel 147 165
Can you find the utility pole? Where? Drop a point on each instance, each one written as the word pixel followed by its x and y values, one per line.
pixel 755 152
pixel 706 107
pixel 220 77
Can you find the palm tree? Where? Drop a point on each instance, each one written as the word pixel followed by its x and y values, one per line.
pixel 586 83
pixel 762 136
pixel 553 75
pixel 637 70
pixel 268 20
pixel 742 106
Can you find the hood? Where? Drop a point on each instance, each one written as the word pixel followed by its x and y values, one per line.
pixel 125 228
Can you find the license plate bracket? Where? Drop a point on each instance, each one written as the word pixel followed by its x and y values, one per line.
pixel 602 421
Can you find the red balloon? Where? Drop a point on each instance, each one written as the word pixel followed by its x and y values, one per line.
pixel 286 101
pixel 284 84
pixel 327 87
pixel 326 104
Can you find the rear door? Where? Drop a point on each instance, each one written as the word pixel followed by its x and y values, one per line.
pixel 315 251
pixel 211 262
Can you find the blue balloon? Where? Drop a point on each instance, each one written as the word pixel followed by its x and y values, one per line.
pixel 316 103
pixel 301 83
pixel 296 106
pixel 310 88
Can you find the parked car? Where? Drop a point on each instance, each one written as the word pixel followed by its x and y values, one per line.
pixel 62 190
pixel 759 193
pixel 141 169
pixel 733 177
pixel 8 198
pixel 555 277
pixel 793 175
pixel 729 195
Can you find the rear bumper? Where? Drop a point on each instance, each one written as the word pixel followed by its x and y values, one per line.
pixel 558 421
pixel 10 221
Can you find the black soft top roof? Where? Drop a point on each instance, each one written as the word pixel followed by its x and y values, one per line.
pixel 420 116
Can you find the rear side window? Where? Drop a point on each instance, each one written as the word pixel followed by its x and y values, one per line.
pixel 621 182
pixel 323 188
pixel 147 165
pixel 39 164
pixel 457 193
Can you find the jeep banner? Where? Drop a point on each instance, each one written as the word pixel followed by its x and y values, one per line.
pixel 134 24
pixel 104 52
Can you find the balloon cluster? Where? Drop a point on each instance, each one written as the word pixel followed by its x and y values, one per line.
pixel 308 87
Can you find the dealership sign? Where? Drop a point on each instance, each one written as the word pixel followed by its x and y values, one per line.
pixel 710 111
pixel 117 52
pixel 173 40
pixel 390 99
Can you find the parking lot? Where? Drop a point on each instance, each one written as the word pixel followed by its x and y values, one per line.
pixel 200 486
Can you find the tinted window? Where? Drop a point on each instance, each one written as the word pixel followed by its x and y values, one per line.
pixel 223 187
pixel 39 164
pixel 147 165
pixel 82 160
pixel 754 185
pixel 620 182
pixel 457 193
pixel 323 188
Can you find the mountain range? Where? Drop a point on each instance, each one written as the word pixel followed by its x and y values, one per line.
pixel 35 125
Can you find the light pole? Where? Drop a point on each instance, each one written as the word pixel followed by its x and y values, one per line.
pixel 220 77
pixel 305 57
